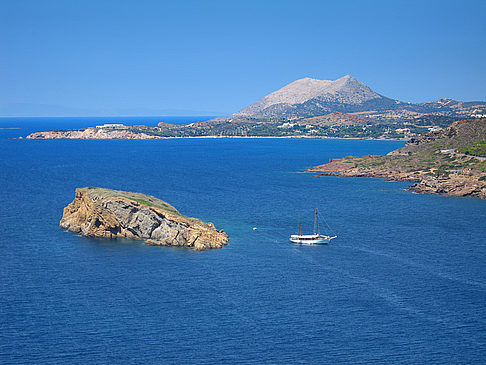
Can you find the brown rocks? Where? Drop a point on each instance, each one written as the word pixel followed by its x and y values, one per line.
pixel 348 168
pixel 454 185
pixel 457 184
pixel 98 212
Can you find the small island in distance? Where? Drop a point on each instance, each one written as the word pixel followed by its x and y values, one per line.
pixel 106 213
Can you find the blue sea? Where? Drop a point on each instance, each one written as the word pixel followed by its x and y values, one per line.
pixel 404 282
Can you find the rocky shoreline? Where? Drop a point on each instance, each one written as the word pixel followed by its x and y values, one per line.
pixel 105 213
pixel 430 162
pixel 459 185
pixel 48 135
pixel 133 134
pixel 335 126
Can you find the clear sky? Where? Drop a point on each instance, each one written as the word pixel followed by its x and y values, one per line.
pixel 208 57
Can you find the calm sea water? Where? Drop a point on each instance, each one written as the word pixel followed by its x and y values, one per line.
pixel 405 281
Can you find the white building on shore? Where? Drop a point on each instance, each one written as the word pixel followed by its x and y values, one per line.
pixel 111 126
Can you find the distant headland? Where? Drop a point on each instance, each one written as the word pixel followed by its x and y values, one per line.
pixel 105 213
pixel 306 108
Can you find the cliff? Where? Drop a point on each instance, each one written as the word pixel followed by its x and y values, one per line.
pixel 448 162
pixel 98 212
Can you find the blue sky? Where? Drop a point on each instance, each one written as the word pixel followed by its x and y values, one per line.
pixel 216 57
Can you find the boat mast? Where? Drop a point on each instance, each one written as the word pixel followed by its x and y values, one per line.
pixel 300 228
pixel 317 223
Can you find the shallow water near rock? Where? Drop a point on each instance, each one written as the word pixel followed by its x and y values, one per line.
pixel 405 281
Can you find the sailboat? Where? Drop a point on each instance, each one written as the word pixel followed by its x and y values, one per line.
pixel 311 239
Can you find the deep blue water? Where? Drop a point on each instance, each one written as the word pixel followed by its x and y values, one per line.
pixel 405 281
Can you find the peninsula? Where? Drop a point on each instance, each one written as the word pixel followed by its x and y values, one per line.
pixel 305 108
pixel 105 213
pixel 449 162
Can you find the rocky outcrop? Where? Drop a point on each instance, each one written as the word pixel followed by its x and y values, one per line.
pixel 98 212
pixel 454 185
pixel 342 167
pixel 450 185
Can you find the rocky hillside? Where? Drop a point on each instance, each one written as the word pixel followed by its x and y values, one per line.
pixel 440 112
pixel 459 135
pixel 308 97
pixel 98 212
pixel 334 119
pixel 448 162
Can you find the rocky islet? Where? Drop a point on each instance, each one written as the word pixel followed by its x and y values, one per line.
pixel 106 213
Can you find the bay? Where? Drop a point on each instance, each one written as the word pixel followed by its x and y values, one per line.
pixel 404 282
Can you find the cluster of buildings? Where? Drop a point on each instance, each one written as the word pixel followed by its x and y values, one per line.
pixel 111 126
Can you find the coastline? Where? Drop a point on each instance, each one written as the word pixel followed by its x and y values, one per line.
pixel 294 137
pixel 215 137
pixel 433 162
pixel 456 185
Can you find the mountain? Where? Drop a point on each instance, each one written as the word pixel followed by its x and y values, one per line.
pixel 344 108
pixel 306 98
pixel 311 97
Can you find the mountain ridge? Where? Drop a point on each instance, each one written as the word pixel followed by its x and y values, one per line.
pixel 308 97
pixel 345 90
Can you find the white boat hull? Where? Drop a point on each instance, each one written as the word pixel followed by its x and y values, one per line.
pixel 311 240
